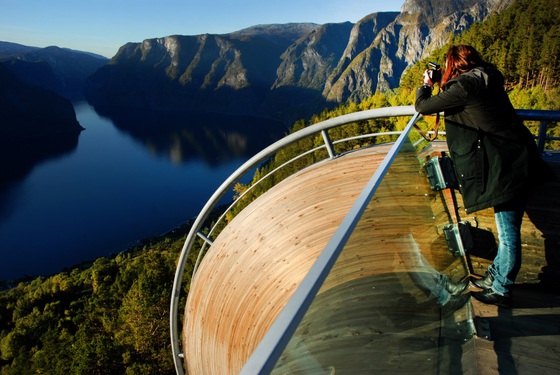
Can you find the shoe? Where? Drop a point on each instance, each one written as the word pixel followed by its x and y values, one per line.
pixel 490 297
pixel 485 283
pixel 456 288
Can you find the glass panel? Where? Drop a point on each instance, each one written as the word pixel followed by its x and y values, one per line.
pixel 385 306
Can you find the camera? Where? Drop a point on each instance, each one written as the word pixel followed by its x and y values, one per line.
pixel 434 72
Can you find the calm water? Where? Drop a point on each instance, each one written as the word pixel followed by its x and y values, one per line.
pixel 128 176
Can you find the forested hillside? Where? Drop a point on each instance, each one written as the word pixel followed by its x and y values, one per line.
pixel 111 316
pixel 524 42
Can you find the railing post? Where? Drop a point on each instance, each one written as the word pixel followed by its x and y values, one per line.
pixel 542 136
pixel 206 239
pixel 328 144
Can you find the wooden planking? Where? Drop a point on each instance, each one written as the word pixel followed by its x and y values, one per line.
pixel 254 266
pixel 525 338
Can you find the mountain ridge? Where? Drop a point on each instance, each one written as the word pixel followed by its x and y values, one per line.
pixel 285 71
pixel 60 70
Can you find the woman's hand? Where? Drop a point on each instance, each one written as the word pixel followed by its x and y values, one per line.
pixel 427 80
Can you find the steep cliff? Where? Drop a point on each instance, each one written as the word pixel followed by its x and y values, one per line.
pixel 232 72
pixel 383 52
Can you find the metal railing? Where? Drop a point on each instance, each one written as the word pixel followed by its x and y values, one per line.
pixel 284 323
pixel 229 183
pixel 544 118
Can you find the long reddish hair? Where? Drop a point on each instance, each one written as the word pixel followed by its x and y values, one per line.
pixel 459 59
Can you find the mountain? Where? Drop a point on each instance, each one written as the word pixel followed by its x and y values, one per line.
pixel 8 49
pixel 28 112
pixel 60 70
pixel 284 71
pixel 378 52
pixel 231 72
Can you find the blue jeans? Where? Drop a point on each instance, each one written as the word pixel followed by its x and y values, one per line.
pixel 507 262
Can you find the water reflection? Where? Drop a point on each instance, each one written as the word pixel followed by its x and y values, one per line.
pixel 128 176
pixel 18 159
pixel 183 136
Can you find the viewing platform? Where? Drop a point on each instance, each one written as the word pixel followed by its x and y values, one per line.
pixel 346 265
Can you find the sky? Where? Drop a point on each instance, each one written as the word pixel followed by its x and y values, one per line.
pixel 102 26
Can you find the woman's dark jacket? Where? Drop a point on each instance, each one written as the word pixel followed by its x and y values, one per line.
pixel 495 156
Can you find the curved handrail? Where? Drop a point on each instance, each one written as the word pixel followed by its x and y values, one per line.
pixel 256 160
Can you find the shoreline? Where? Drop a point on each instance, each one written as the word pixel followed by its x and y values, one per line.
pixel 174 233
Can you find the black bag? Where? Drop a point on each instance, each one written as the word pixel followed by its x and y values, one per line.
pixel 458 237
pixel 441 173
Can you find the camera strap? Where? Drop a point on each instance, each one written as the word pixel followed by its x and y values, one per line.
pixel 436 129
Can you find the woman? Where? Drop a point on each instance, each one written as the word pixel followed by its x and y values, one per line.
pixel 496 159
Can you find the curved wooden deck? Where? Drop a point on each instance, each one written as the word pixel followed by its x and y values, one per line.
pixel 254 266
